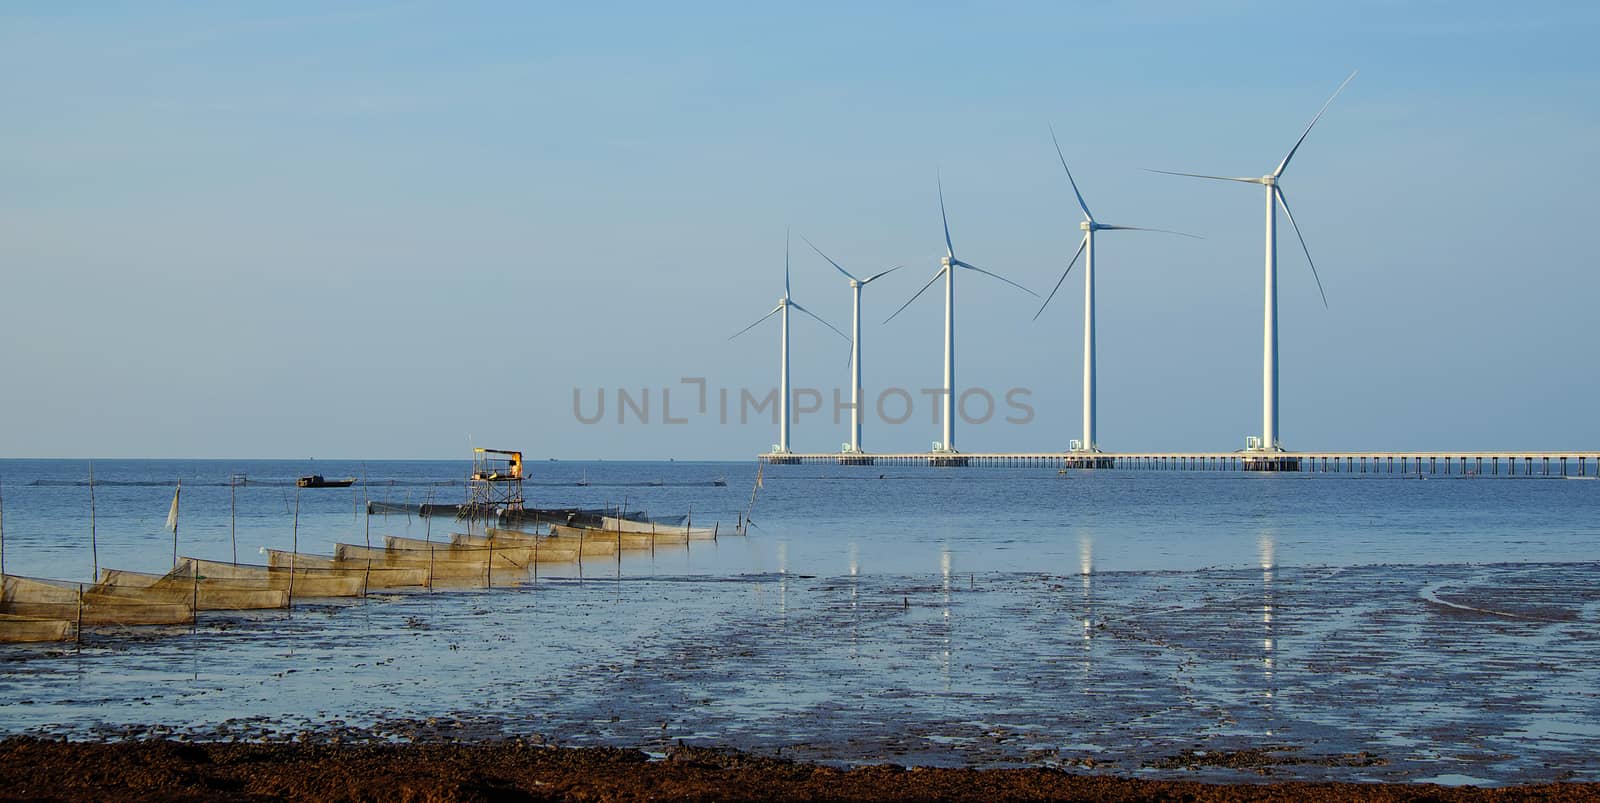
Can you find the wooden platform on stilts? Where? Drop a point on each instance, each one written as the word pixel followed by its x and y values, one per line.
pixel 1572 463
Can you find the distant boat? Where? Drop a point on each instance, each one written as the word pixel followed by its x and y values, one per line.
pixel 319 481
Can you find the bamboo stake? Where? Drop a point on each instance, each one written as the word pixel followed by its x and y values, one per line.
pixel 233 517
pixel 294 550
pixel 368 490
pixel 94 544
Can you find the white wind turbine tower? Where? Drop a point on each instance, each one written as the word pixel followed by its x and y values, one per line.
pixel 854 446
pixel 1089 225
pixel 947 269
pixel 1268 441
pixel 784 303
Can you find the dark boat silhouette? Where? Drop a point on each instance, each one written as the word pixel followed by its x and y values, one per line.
pixel 319 481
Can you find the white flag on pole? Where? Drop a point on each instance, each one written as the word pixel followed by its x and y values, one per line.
pixel 172 515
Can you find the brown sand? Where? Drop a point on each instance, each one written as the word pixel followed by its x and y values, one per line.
pixel 33 769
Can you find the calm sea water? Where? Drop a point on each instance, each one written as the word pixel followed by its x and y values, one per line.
pixel 1361 626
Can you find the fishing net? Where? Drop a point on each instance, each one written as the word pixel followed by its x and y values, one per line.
pixel 630 526
pixel 538 549
pixel 375 574
pixel 91 603
pixel 305 583
pixel 204 593
pixel 24 629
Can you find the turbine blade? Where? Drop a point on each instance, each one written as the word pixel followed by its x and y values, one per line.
pixel 1243 179
pixel 924 289
pixel 970 266
pixel 758 321
pixel 1142 228
pixel 1283 202
pixel 949 248
pixel 1285 162
pixel 1081 204
pixel 818 318
pixel 814 247
pixel 785 261
pixel 877 276
pixel 1081 244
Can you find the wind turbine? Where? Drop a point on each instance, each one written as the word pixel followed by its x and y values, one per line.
pixel 947 265
pixel 1089 226
pixel 1275 199
pixel 854 447
pixel 784 303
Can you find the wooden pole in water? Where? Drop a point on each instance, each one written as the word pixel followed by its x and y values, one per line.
pixel 368 491
pixel 94 544
pixel 233 517
pixel 294 549
pixel 427 531
pixel 78 634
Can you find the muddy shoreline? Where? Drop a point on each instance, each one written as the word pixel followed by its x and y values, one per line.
pixel 517 769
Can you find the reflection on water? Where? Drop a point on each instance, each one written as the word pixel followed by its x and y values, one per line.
pixel 945 560
pixel 1086 572
pixel 1269 563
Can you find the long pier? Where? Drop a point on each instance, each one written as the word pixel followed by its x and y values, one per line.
pixel 1483 464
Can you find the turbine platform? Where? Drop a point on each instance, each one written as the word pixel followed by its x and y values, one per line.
pixel 1271 461
pixel 1088 460
pixel 856 459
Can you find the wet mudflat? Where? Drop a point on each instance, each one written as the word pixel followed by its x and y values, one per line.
pixel 517 770
pixel 1457 674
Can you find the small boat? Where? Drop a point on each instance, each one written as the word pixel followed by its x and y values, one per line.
pixel 319 481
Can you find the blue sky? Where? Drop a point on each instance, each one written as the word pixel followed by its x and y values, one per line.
pixel 379 230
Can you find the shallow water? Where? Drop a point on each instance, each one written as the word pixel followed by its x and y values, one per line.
pixel 1350 626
